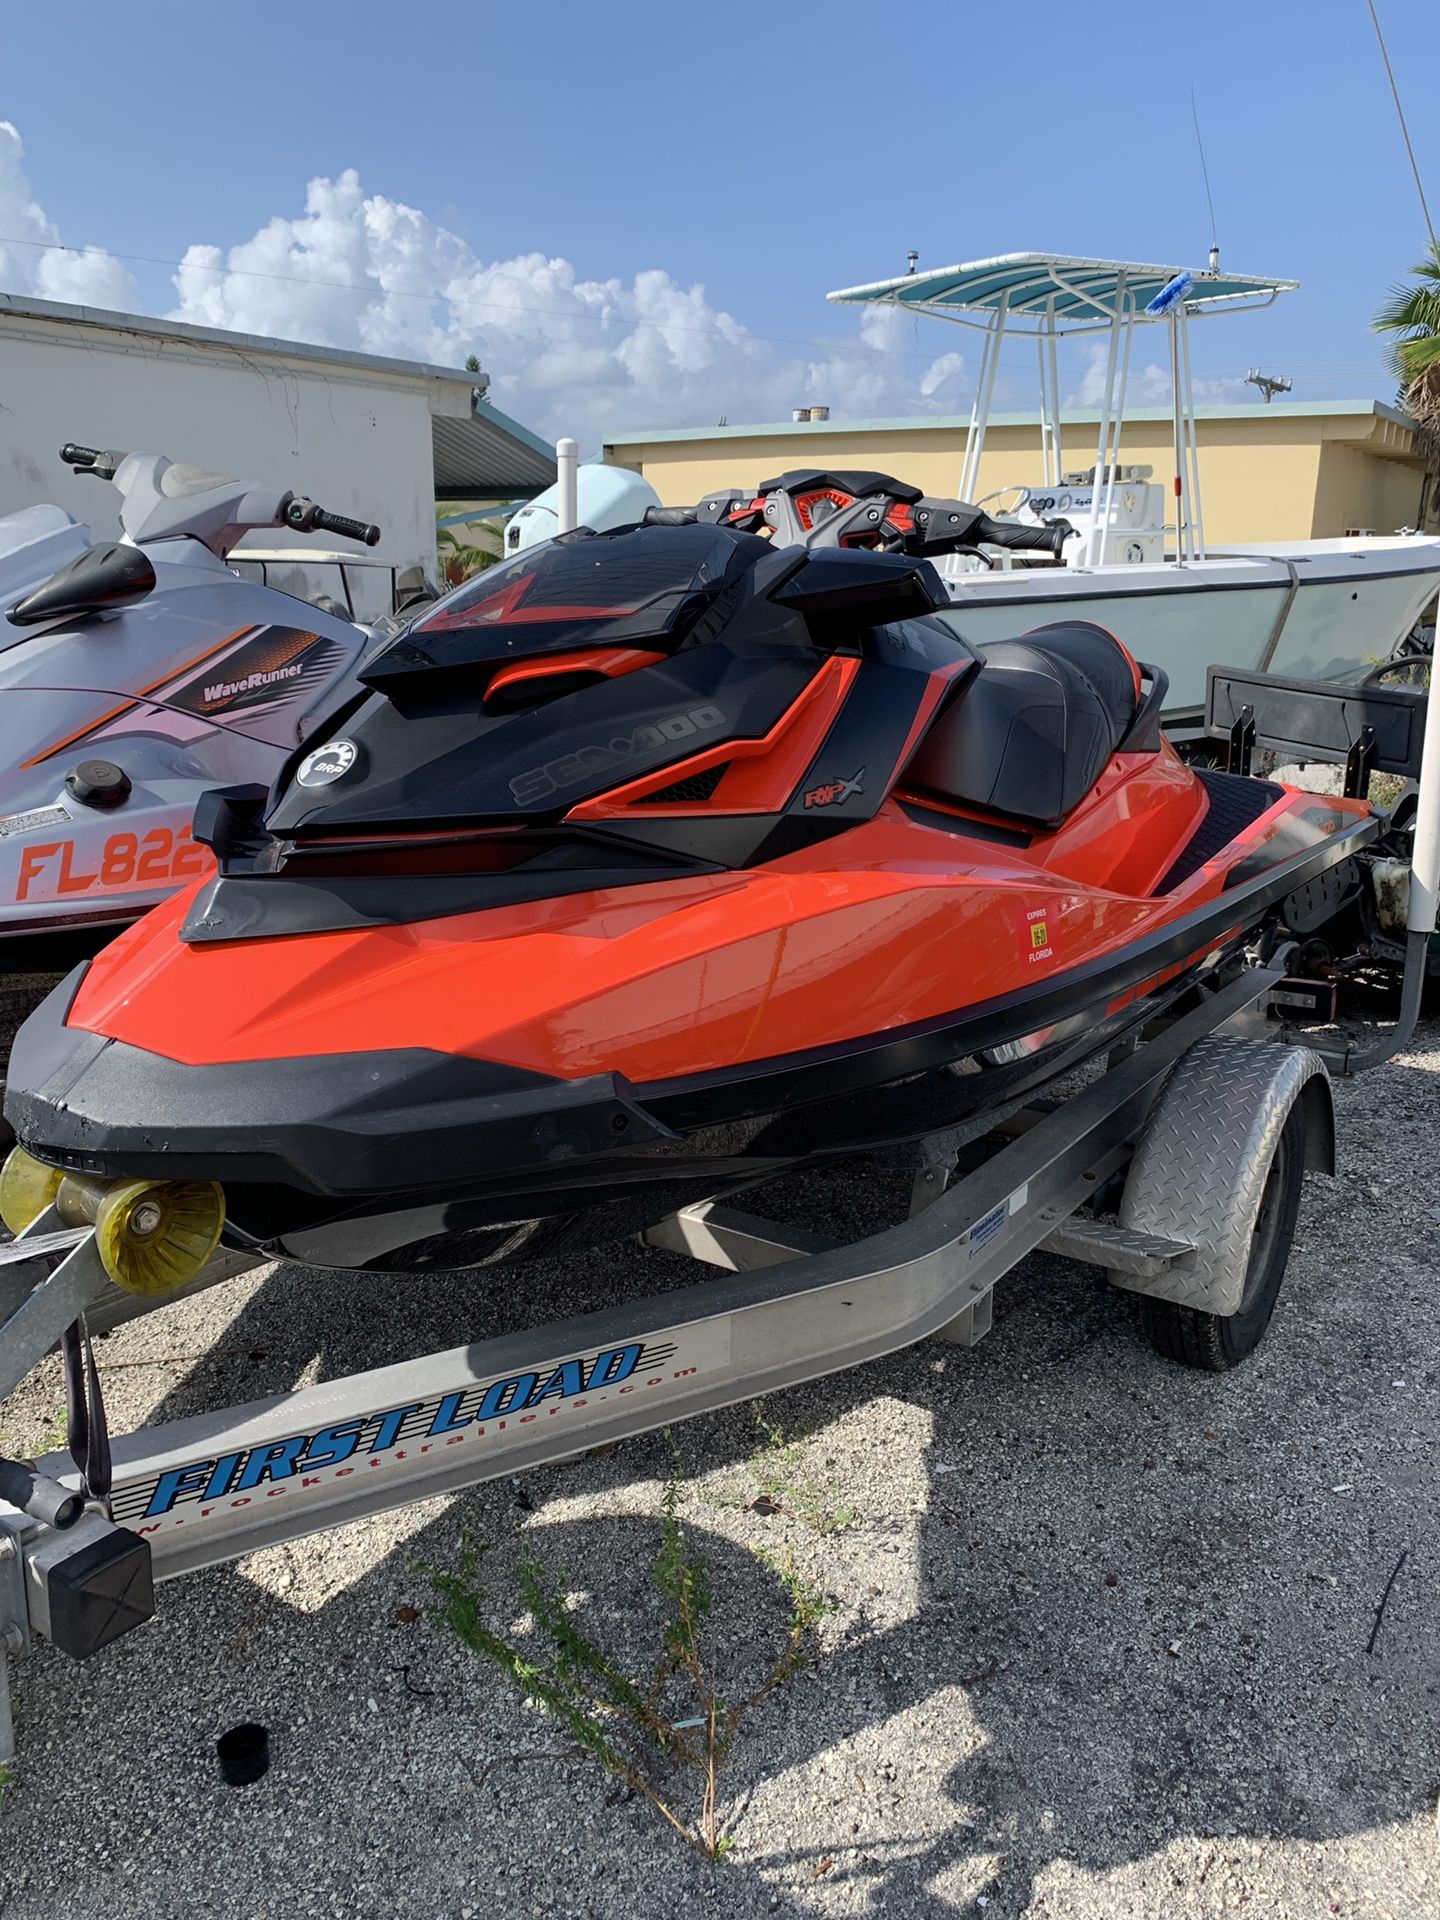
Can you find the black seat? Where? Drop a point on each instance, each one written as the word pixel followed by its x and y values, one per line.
pixel 1035 728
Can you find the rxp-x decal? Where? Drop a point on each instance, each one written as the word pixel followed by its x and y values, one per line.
pixel 834 791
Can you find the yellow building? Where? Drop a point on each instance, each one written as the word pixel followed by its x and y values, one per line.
pixel 1293 470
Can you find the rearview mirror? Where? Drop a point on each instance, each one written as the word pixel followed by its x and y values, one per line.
pixel 95 582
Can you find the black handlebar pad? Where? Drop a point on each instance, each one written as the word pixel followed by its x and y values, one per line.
pixel 362 530
pixel 670 517
pixel 1022 539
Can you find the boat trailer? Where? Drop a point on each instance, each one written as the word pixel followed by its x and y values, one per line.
pixel 785 1306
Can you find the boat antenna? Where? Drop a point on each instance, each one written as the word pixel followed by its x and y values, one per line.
pixel 1205 175
pixel 1404 130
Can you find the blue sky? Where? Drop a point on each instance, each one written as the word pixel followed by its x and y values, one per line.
pixel 634 213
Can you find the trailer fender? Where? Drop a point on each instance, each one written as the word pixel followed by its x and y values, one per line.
pixel 1201 1165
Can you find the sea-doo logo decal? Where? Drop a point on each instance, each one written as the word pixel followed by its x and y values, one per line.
pixel 327 763
pixel 540 782
pixel 128 863
pixel 491 1413
pixel 834 791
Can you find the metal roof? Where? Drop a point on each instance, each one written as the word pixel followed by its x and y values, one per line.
pixel 956 424
pixel 21 307
pixel 1081 290
pixel 488 454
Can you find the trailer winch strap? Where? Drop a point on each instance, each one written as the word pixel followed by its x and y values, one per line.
pixel 87 1431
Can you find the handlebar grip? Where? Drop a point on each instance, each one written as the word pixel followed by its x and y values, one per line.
pixel 362 530
pixel 1022 539
pixel 99 461
pixel 302 514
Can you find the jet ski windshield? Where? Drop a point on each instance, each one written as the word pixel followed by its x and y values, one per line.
pixel 584 588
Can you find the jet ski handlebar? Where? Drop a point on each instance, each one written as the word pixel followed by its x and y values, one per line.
pixel 306 517
pixel 94 460
pixel 163 501
pixel 1020 538
pixel 954 526
pixel 844 509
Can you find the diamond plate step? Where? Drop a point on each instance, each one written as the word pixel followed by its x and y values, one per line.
pixel 1104 1243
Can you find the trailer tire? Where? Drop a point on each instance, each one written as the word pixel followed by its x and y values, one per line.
pixel 1220 1166
pixel 1216 1342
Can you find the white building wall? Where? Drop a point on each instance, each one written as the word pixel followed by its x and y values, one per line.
pixel 356 439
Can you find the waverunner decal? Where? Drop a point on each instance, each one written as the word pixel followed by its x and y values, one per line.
pixel 97 727
pixel 274 666
pixel 403 1436
pixel 249 676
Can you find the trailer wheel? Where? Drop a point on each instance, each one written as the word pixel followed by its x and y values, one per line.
pixel 1216 1342
pixel 1220 1166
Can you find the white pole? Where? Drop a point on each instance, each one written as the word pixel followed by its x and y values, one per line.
pixel 1196 515
pixel 1100 521
pixel 980 410
pixel 1056 425
pixel 567 460
pixel 1425 861
pixel 1181 503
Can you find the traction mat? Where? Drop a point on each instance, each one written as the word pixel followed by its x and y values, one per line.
pixel 1236 801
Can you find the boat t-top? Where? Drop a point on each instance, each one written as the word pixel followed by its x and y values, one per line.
pixel 1313 609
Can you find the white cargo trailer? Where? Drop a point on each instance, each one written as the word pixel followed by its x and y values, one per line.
pixel 374 438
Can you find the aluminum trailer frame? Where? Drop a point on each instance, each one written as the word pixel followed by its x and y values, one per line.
pixel 789 1308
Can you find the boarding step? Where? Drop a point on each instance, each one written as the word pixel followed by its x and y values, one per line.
pixel 1104 1243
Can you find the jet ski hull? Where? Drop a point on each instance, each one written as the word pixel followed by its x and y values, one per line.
pixel 402 1155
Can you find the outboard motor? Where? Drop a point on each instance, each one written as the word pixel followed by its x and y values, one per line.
pixel 606 497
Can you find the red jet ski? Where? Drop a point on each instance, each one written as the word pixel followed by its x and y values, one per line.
pixel 647 864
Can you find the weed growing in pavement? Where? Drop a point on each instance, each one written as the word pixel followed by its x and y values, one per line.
pixel 48 1441
pixel 647 1733
pixel 784 1486
pixel 7 1774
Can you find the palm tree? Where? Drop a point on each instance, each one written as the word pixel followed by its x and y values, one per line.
pixel 459 559
pixel 1411 316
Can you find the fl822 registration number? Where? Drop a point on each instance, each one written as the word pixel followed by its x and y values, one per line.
pixel 125 863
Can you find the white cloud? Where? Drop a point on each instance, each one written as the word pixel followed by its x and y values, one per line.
pixel 942 376
pixel 88 276
pixel 1148 386
pixel 564 353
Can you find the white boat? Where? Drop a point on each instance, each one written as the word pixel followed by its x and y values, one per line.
pixel 1312 609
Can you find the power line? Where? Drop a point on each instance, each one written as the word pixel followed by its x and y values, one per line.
pixel 1404 130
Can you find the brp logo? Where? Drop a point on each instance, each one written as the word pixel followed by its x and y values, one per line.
pixel 328 763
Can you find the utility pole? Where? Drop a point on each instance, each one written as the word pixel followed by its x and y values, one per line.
pixel 1269 383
